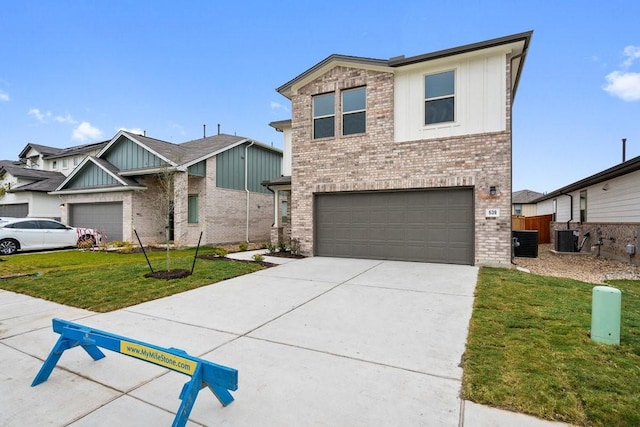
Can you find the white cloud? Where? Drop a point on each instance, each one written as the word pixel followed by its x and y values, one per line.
pixel 39 115
pixel 136 131
pixel 631 53
pixel 65 119
pixel 278 106
pixel 4 96
pixel 624 85
pixel 85 132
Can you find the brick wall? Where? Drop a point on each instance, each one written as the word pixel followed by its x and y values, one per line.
pixel 373 161
pixel 222 212
pixel 615 238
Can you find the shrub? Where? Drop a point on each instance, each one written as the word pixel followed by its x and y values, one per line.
pixel 219 251
pixel 295 246
pixel 271 247
pixel 258 258
pixel 243 247
pixel 282 245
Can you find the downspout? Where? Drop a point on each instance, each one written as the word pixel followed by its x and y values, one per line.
pixel 511 98
pixel 570 210
pixel 246 183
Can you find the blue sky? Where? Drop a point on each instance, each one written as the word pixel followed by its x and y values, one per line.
pixel 74 72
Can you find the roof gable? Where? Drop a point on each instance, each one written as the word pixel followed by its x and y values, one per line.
pixel 517 43
pixel 127 155
pixel 94 173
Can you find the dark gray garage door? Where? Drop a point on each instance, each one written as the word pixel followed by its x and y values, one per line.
pixel 427 225
pixel 20 210
pixel 105 217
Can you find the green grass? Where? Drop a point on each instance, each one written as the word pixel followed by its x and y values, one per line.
pixel 105 281
pixel 529 351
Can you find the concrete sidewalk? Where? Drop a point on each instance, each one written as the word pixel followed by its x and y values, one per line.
pixel 317 341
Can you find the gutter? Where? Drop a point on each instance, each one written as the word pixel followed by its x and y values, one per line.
pixel 246 183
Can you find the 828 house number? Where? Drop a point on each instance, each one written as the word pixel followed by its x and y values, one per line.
pixel 493 213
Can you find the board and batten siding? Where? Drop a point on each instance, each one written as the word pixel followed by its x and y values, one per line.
pixel 480 94
pixel 91 176
pixel 263 165
pixel 126 155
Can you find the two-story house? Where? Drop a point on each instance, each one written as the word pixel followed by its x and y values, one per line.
pixel 25 184
pixel 405 158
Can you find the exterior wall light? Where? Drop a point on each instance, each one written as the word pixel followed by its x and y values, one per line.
pixel 493 190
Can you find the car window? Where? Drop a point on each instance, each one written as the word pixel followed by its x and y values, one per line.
pixel 28 225
pixel 51 225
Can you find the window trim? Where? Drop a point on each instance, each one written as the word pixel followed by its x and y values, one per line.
pixel 193 214
pixel 583 211
pixel 326 116
pixel 436 98
pixel 346 113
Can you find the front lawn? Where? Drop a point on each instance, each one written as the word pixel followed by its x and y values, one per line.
pixel 106 281
pixel 529 351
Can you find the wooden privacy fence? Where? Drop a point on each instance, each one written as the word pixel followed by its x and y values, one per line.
pixel 541 223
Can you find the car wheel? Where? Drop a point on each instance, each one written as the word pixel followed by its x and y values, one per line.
pixel 8 246
pixel 86 241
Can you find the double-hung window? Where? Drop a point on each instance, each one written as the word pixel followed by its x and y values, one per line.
pixel 324 116
pixel 439 98
pixel 354 111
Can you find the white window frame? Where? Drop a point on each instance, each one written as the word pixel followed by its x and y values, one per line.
pixel 435 98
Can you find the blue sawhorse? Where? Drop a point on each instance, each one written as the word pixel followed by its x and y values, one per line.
pixel 219 379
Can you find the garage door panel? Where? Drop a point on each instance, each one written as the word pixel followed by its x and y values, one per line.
pixel 426 225
pixel 105 217
pixel 19 210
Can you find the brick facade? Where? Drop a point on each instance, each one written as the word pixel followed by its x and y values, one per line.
pixel 222 215
pixel 374 161
pixel 613 237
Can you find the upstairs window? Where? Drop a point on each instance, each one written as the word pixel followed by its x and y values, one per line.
pixel 65 163
pixel 54 165
pixel 354 111
pixel 439 95
pixel 324 116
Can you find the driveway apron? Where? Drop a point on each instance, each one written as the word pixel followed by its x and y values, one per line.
pixel 317 341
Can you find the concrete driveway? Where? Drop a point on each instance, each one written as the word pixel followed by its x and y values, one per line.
pixel 317 341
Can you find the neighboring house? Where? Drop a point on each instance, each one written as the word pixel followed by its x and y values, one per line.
pixel 406 158
pixel 24 191
pixel 605 205
pixel 215 190
pixel 522 202
pixel 25 184
pixel 62 160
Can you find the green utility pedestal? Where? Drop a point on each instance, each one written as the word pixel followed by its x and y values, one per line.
pixel 605 315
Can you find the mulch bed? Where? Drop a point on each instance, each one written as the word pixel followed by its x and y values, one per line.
pixel 213 257
pixel 169 274
pixel 285 254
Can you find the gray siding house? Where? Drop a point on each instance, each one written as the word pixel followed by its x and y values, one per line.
pixel 407 158
pixel 605 205
pixel 209 185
